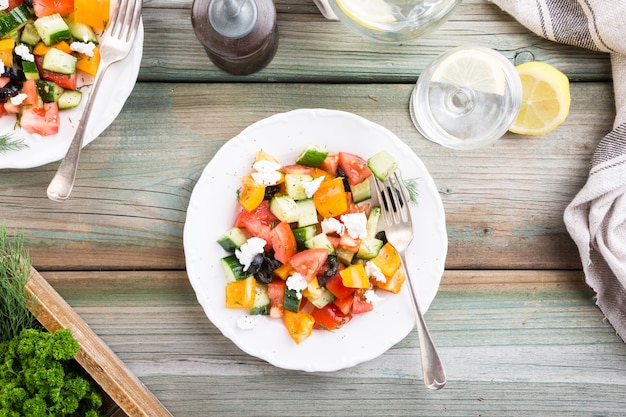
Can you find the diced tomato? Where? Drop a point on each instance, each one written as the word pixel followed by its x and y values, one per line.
pixel 330 317
pixel 297 169
pixel 41 120
pixel 388 260
pixel 309 262
pixel 354 167
pixel 94 13
pixel 29 87
pixel 393 283
pixel 11 108
pixel 344 305
pixel 251 193
pixel 241 294
pixel 64 80
pixel 276 294
pixel 349 243
pixel 2 111
pixel 13 4
pixel 48 7
pixel 360 305
pixel 4 81
pixel 283 242
pixel 258 222
pixel 330 198
pixel 335 285
pixel 330 164
pixel 299 325
pixel 354 276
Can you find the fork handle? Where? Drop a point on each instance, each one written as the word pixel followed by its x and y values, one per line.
pixel 61 185
pixel 434 374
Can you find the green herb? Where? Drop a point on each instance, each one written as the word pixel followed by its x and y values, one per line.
pixel 8 143
pixel 412 189
pixel 14 273
pixel 39 378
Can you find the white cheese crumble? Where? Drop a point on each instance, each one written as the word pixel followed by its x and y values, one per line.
pixel 2 68
pixel 297 283
pixel 332 225
pixel 23 52
pixel 4 4
pixel 356 224
pixel 18 99
pixel 267 172
pixel 310 187
pixel 246 322
pixel 85 48
pixel 373 270
pixel 371 297
pixel 249 250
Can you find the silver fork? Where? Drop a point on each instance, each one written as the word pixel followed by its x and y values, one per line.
pixel 115 44
pixel 398 225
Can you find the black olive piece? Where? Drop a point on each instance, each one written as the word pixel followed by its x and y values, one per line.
pixel 28 3
pixel 8 91
pixel 255 264
pixel 270 191
pixel 344 177
pixel 264 276
pixel 14 74
pixel 381 236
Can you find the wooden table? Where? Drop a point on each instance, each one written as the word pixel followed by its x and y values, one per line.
pixel 515 323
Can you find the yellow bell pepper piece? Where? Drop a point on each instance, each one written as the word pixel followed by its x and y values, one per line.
pixel 388 260
pixel 299 325
pixel 251 193
pixel 89 64
pixel 6 51
pixel 355 276
pixel 330 198
pixel 241 294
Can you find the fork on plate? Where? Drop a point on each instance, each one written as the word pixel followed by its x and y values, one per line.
pixel 115 44
pixel 394 203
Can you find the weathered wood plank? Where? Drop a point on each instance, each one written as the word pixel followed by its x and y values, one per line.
pixel 508 338
pixel 501 212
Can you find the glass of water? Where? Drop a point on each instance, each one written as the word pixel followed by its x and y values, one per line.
pixel 466 98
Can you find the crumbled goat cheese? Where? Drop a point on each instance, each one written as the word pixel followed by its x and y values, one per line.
pixel 246 322
pixel 18 99
pixel 297 283
pixel 249 250
pixel 371 297
pixel 310 187
pixel 332 225
pixel 356 224
pixel 2 68
pixel 85 48
pixel 373 270
pixel 4 4
pixel 267 172
pixel 23 52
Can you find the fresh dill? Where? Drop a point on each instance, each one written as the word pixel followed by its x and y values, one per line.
pixel 412 189
pixel 15 315
pixel 8 143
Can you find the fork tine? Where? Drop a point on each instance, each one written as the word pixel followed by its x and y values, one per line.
pixel 125 20
pixel 394 200
pixel 133 21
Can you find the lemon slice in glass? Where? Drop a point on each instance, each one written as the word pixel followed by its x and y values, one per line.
pixel 545 99
pixel 473 69
pixel 367 11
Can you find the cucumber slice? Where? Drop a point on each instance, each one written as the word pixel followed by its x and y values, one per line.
pixel 307 213
pixel 52 29
pixel 320 241
pixel 302 234
pixel 372 222
pixel 291 301
pixel 58 61
pixel 369 248
pixel 261 301
pixel 312 156
pixel 361 191
pixel 49 91
pixel 82 32
pixel 344 256
pixel 285 208
pixel 233 270
pixel 321 300
pixel 233 239
pixel 14 20
pixel 29 35
pixel 382 165
pixel 69 99
pixel 30 70
pixel 293 183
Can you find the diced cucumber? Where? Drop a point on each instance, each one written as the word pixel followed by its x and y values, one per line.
pixel 313 155
pixel 293 183
pixel 82 32
pixel 30 70
pixel 382 165
pixel 362 191
pixel 372 221
pixel 233 270
pixel 233 239
pixel 49 91
pixel 69 99
pixel 291 301
pixel 307 213
pixel 52 29
pixel 29 35
pixel 14 20
pixel 322 299
pixel 320 241
pixel 344 256
pixel 369 248
pixel 302 234
pixel 58 61
pixel 261 301
pixel 285 208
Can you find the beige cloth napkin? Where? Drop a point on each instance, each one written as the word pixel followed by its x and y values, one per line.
pixel 596 218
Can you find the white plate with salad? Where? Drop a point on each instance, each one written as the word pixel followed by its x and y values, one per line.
pixel 36 150
pixel 213 207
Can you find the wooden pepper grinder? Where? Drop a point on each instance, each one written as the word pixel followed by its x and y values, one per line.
pixel 240 36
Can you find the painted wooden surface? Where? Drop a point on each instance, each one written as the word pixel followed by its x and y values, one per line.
pixel 516 325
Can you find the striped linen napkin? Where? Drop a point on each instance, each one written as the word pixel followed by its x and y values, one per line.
pixel 596 218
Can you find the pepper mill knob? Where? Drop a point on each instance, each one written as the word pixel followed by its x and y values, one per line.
pixel 239 36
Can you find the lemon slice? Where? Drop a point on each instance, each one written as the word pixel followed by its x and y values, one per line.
pixel 545 99
pixel 474 69
pixel 367 11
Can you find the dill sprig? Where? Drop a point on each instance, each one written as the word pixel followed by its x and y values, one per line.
pixel 412 188
pixel 8 143
pixel 15 315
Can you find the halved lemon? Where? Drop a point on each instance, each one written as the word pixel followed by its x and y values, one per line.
pixel 545 99
pixel 367 11
pixel 474 69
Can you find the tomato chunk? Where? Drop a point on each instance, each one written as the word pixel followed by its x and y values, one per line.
pixel 299 325
pixel 276 294
pixel 330 198
pixel 354 167
pixel 309 262
pixel 283 242
pixel 48 7
pixel 43 121
pixel 330 317
pixel 258 222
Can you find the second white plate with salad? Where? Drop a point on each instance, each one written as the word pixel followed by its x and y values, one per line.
pixel 213 209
